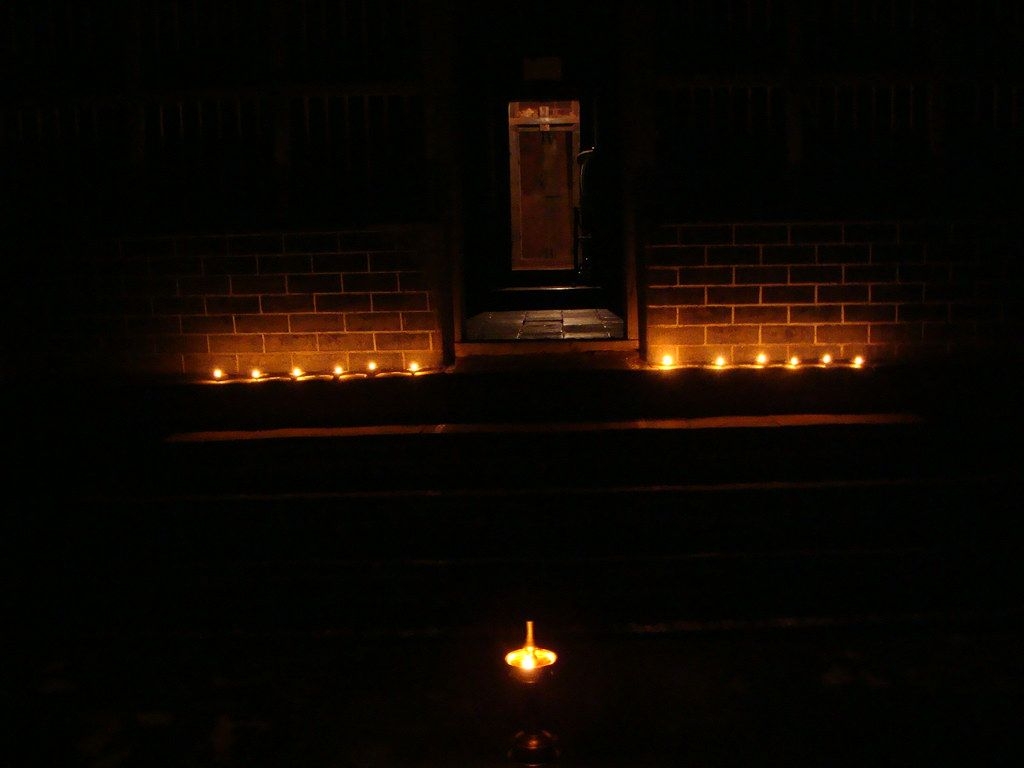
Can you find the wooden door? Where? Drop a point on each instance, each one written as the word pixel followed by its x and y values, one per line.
pixel 543 143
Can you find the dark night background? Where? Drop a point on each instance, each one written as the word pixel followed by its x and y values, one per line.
pixel 824 596
pixel 169 116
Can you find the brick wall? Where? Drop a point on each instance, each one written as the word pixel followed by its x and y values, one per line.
pixel 891 291
pixel 180 306
pixel 176 307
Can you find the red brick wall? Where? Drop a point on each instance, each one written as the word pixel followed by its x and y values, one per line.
pixel 180 306
pixel 890 291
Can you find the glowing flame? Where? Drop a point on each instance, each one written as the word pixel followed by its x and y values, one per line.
pixel 338 370
pixel 794 361
pixel 371 366
pixel 719 361
pixel 826 359
pixel 218 373
pixel 667 360
pixel 255 373
pixel 762 358
pixel 414 366
pixel 858 361
pixel 528 659
pixel 296 372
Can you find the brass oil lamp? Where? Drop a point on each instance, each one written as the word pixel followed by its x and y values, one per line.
pixel 529 665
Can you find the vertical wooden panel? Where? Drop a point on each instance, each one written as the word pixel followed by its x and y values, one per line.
pixel 543 143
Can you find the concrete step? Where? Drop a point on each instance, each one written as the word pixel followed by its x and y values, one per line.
pixel 547 297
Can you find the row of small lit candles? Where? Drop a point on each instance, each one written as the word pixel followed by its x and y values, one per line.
pixel 298 373
pixel 668 361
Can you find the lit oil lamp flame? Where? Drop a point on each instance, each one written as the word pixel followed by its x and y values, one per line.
pixel 528 660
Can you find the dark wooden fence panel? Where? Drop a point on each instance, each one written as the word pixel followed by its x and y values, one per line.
pixel 211 113
pixel 836 107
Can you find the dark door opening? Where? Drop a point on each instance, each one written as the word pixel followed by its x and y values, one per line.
pixel 541 283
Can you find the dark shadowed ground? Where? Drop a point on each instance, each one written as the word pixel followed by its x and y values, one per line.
pixel 814 567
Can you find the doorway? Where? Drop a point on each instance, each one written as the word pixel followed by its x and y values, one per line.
pixel 539 283
pixel 542 287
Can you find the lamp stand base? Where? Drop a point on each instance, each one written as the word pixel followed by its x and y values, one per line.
pixel 534 748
